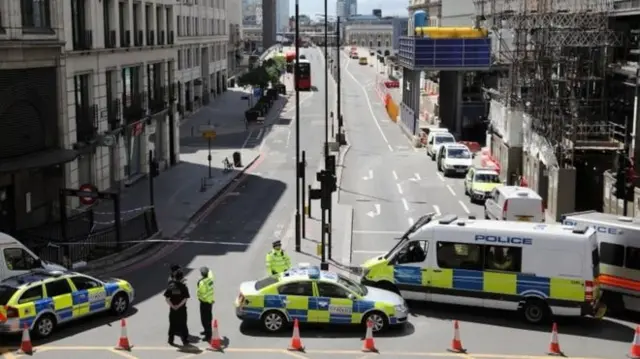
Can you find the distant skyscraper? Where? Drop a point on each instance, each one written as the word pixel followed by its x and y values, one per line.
pixel 282 15
pixel 251 12
pixel 346 8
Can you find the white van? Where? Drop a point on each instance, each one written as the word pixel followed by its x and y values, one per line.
pixel 17 259
pixel 537 269
pixel 513 203
pixel 619 239
pixel 436 138
pixel 454 158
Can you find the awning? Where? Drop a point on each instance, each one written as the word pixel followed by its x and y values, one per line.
pixel 46 158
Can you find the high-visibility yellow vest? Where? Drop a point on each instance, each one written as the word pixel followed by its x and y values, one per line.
pixel 277 261
pixel 205 289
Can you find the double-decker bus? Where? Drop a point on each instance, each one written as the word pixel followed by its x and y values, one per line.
pixel 303 75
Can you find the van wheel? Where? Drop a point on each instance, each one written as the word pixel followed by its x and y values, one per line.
pixel 388 286
pixel 535 311
pixel 44 326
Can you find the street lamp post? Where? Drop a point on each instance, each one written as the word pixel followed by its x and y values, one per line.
pixel 298 219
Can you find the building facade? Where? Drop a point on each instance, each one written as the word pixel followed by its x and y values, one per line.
pixel 252 12
pixel 203 39
pixel 235 44
pixel 36 152
pixel 282 15
pixel 377 37
pixel 346 8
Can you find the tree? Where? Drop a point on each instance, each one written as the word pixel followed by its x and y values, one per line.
pixel 258 77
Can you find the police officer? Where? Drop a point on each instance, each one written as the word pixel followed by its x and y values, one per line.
pixel 206 298
pixel 277 260
pixel 174 268
pixel 176 297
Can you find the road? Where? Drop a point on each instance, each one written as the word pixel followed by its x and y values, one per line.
pixel 389 184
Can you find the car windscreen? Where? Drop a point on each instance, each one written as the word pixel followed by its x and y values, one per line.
pixel 352 286
pixel 444 139
pixel 458 153
pixel 6 292
pixel 487 178
pixel 263 283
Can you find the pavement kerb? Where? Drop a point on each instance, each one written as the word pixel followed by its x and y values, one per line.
pixel 131 254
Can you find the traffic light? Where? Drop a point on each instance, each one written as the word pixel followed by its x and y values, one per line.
pixel 328 185
pixel 622 175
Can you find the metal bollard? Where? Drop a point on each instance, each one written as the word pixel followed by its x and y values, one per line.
pixel 203 185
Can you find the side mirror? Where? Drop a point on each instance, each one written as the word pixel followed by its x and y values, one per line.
pixel 351 296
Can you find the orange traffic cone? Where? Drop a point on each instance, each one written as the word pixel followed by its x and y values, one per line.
pixel 456 343
pixel 369 345
pixel 216 341
pixel 26 347
pixel 123 342
pixel 296 342
pixel 554 345
pixel 634 352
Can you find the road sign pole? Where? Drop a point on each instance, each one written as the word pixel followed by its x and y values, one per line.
pixel 209 157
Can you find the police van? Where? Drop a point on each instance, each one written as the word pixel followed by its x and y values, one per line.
pixel 619 256
pixel 537 269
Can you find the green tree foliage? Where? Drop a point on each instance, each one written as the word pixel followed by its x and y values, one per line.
pixel 261 76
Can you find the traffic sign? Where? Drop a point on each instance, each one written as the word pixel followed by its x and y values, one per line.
pixel 87 193
pixel 208 131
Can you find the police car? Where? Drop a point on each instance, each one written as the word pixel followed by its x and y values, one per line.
pixel 537 269
pixel 43 299
pixel 311 295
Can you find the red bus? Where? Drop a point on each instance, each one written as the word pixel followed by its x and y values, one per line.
pixel 303 77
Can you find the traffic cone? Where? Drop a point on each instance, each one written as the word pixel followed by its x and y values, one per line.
pixel 216 341
pixel 26 347
pixel 123 342
pixel 554 345
pixel 456 343
pixel 369 345
pixel 296 342
pixel 634 352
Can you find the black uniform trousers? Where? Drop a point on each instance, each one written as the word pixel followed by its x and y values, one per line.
pixel 206 317
pixel 178 324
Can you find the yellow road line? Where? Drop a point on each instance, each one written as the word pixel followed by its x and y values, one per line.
pixel 123 354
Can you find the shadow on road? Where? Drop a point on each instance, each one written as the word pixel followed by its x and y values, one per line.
pixel 320 331
pixel 582 326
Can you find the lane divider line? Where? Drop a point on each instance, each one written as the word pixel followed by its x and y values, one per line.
pixel 405 204
pixel 464 206
pixel 451 189
pixel 437 210
pixel 399 188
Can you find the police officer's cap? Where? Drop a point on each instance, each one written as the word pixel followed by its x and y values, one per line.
pixel 277 243
pixel 175 267
pixel 204 271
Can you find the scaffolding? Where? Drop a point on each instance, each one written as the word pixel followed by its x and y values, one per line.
pixel 556 54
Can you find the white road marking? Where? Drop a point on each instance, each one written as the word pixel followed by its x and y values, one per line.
pixel 395 175
pixel 464 206
pixel 451 190
pixel 405 204
pixel 376 212
pixel 418 177
pixel 288 138
pixel 364 251
pixel 363 231
pixel 366 96
pixel 244 144
pixel 399 188
pixel 437 210
pixel 440 176
pixel 260 133
pixel 411 221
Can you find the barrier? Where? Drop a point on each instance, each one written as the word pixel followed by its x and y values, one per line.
pixel 392 109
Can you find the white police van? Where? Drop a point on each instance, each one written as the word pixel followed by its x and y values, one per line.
pixel 619 239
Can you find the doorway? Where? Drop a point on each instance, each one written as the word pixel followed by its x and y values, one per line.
pixel 7 209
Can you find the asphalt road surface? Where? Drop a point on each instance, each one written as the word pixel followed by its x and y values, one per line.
pixel 389 184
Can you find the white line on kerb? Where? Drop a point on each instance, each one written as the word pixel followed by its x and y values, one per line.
pixel 399 188
pixel 436 209
pixel 405 204
pixel 411 221
pixel 451 190
pixel 440 176
pixel 464 206
pixel 395 175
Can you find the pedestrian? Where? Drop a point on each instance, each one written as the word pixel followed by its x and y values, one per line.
pixel 176 297
pixel 206 298
pixel 173 269
pixel 277 260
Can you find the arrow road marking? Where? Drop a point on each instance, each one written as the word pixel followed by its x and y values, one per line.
pixel 370 176
pixel 376 212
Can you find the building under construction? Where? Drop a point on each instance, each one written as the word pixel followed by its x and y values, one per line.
pixel 551 111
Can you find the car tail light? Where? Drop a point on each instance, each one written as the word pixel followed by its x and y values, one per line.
pixel 12 313
pixel 504 209
pixel 588 290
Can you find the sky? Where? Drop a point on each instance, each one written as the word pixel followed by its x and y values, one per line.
pixel 389 7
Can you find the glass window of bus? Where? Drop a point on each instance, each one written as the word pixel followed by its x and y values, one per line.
pixel 612 254
pixel 459 255
pixel 304 69
pixel 632 259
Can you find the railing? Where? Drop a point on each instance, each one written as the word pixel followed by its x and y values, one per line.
pixel 151 37
pixel 136 109
pixel 161 37
pixel 110 39
pixel 86 123
pixel 139 38
pixel 158 100
pixel 114 114
pixel 85 41
pixel 268 52
pixel 171 38
pixel 125 38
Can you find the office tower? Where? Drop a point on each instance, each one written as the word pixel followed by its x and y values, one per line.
pixel 282 15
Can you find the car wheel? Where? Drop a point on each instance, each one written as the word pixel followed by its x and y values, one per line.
pixel 120 304
pixel 44 326
pixel 535 311
pixel 378 319
pixel 273 321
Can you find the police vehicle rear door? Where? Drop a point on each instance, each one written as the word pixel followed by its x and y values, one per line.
pixel 294 298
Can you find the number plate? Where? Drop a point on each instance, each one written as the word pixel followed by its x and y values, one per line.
pixel 335 309
pixel 523 219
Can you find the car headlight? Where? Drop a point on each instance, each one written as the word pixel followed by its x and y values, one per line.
pixel 402 308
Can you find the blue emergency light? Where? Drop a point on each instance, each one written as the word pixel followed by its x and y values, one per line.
pixel 314 272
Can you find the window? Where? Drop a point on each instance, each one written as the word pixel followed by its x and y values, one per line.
pixel 612 254
pixel 19 259
pixel 414 252
pixel 58 287
pixel 31 295
pixel 263 283
pixel 330 290
pixel 84 283
pixel 459 255
pixel 501 258
pixel 299 288
pixel 179 59
pixel 6 293
pixel 632 260
pixel 595 262
pixel 179 25
pixel 36 14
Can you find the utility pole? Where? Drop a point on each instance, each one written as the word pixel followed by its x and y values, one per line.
pixel 298 219
pixel 340 138
pixel 326 82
